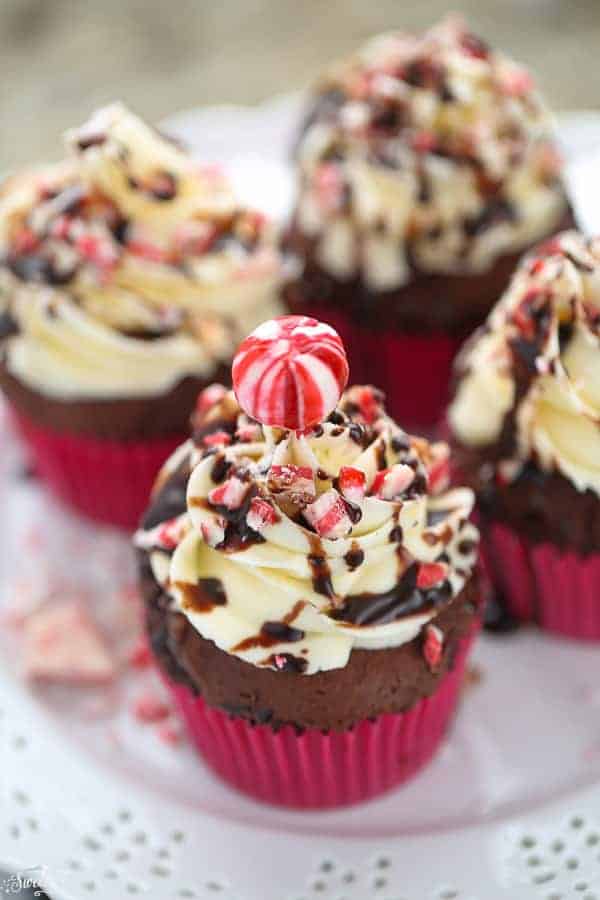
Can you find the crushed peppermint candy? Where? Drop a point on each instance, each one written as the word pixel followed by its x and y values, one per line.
pixel 329 515
pixel 213 531
pixel 261 514
pixel 63 645
pixel 390 484
pixel 231 494
pixel 352 483
pixel 433 646
pixel 430 574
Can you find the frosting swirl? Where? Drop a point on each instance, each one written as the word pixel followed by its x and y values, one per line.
pixel 296 547
pixel 534 369
pixel 429 152
pixel 129 253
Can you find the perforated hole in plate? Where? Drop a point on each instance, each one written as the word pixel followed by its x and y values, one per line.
pixel 565 862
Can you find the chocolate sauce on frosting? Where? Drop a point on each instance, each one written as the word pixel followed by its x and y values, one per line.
pixel 316 540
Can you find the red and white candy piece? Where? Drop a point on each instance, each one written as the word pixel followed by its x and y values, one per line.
pixel 368 400
pixel 209 397
pixel 230 494
pixel 290 372
pixel 430 574
pixel 261 514
pixel 63 645
pixel 216 439
pixel 438 468
pixel 390 484
pixel 329 516
pixel 170 533
pixel 433 646
pixel 213 531
pixel 352 483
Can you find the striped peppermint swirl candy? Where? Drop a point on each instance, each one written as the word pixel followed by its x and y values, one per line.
pixel 290 372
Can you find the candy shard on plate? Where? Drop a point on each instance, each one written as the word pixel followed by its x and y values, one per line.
pixel 150 708
pixel 290 372
pixel 63 645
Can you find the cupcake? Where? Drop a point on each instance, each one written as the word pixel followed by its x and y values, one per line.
pixel 525 420
pixel 309 580
pixel 426 165
pixel 128 275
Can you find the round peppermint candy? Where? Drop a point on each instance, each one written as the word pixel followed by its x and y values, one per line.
pixel 290 372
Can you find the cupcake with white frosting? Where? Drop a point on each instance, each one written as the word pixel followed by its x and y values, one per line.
pixel 526 422
pixel 128 274
pixel 426 166
pixel 309 578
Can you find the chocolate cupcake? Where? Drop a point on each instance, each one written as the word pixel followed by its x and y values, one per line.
pixel 309 585
pixel 525 420
pixel 426 165
pixel 128 275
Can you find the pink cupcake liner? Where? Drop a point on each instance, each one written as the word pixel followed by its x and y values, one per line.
pixel 108 481
pixel 317 770
pixel 413 370
pixel 542 583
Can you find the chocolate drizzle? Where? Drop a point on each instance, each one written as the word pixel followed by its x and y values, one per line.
pixel 8 325
pixel 404 599
pixel 321 574
pixel 354 557
pixel 203 596
pixel 286 662
pixel 272 633
pixel 169 502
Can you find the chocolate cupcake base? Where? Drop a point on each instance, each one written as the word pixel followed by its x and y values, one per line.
pixel 372 684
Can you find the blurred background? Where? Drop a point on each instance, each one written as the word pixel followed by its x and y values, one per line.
pixel 60 58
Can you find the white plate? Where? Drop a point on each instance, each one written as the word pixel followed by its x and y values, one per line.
pixel 96 806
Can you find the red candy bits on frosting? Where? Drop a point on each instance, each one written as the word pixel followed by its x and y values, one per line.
pixel 290 372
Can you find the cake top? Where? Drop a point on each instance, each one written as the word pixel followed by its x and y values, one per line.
pixel 296 546
pixel 127 240
pixel 437 139
pixel 529 379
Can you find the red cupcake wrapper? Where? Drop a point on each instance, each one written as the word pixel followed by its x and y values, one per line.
pixel 413 370
pixel 109 481
pixel 541 583
pixel 316 770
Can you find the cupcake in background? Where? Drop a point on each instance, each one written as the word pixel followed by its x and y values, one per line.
pixel 426 166
pixel 310 583
pixel 525 419
pixel 128 275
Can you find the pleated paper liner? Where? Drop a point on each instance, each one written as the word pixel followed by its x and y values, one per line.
pixel 318 770
pixel 108 481
pixel 540 582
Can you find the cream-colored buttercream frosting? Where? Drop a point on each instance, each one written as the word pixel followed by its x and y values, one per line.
pixel 537 360
pixel 428 152
pixel 296 548
pixel 129 266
